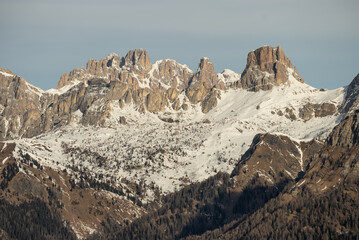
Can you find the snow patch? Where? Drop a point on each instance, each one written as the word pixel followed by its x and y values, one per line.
pixel 4 161
pixel 7 74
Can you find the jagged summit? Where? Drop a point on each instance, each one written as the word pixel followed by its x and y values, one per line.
pixel 139 58
pixel 267 67
pixel 111 86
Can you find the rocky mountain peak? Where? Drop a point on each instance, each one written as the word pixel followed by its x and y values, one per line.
pixel 202 85
pixel 267 67
pixel 170 73
pixel 138 57
pixel 352 96
pixel 265 56
pixel 205 72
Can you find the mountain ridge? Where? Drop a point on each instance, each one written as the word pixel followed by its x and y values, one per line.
pixel 125 132
pixel 165 85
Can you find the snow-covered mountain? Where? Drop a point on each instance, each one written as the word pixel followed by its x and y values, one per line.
pixel 126 122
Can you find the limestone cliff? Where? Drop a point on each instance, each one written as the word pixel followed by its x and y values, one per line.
pixel 267 67
pixel 88 94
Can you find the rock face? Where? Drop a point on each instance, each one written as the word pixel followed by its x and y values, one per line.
pixel 274 158
pixel 203 81
pixel 310 110
pixel 336 163
pixel 138 59
pixel 163 80
pixel 346 133
pixel 107 68
pixel 352 96
pixel 267 67
pixel 20 107
pixel 171 74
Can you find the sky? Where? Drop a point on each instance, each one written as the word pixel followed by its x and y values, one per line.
pixel 42 39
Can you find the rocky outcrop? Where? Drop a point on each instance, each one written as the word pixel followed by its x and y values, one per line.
pixel 311 110
pixel 336 163
pixel 210 101
pixel 169 73
pixel 351 101
pixel 346 133
pixel 138 59
pixel 205 73
pixel 274 158
pixel 21 107
pixel 203 81
pixel 156 100
pixel 267 67
pixel 107 68
pixel 164 81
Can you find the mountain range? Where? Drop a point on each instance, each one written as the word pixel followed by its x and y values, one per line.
pixel 127 149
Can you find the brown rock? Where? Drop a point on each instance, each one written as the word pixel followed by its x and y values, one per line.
pixel 117 90
pixel 122 120
pixel 172 74
pixel 325 109
pixel 206 74
pixel 64 79
pixel 185 106
pixel 290 114
pixel 275 157
pixel 107 68
pixel 196 92
pixel 210 101
pixel 306 112
pixel 19 100
pixel 176 105
pixel 309 110
pixel 138 58
pixel 171 94
pixel 266 67
pixel 128 97
pixel 139 96
pixel 203 81
pixel 156 100
pixel 221 85
pixel 351 101
pixel 346 133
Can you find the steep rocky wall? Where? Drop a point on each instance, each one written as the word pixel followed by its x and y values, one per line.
pixel 266 67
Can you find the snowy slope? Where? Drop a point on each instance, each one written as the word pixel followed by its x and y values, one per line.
pixel 170 155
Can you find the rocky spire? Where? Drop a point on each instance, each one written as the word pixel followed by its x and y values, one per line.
pixel 138 57
pixel 203 81
pixel 267 67
pixel 205 73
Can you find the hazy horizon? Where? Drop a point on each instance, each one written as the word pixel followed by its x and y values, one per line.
pixel 41 39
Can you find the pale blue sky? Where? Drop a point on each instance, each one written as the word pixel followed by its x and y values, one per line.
pixel 42 39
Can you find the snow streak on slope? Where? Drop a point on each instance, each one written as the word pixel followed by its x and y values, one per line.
pixel 170 155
